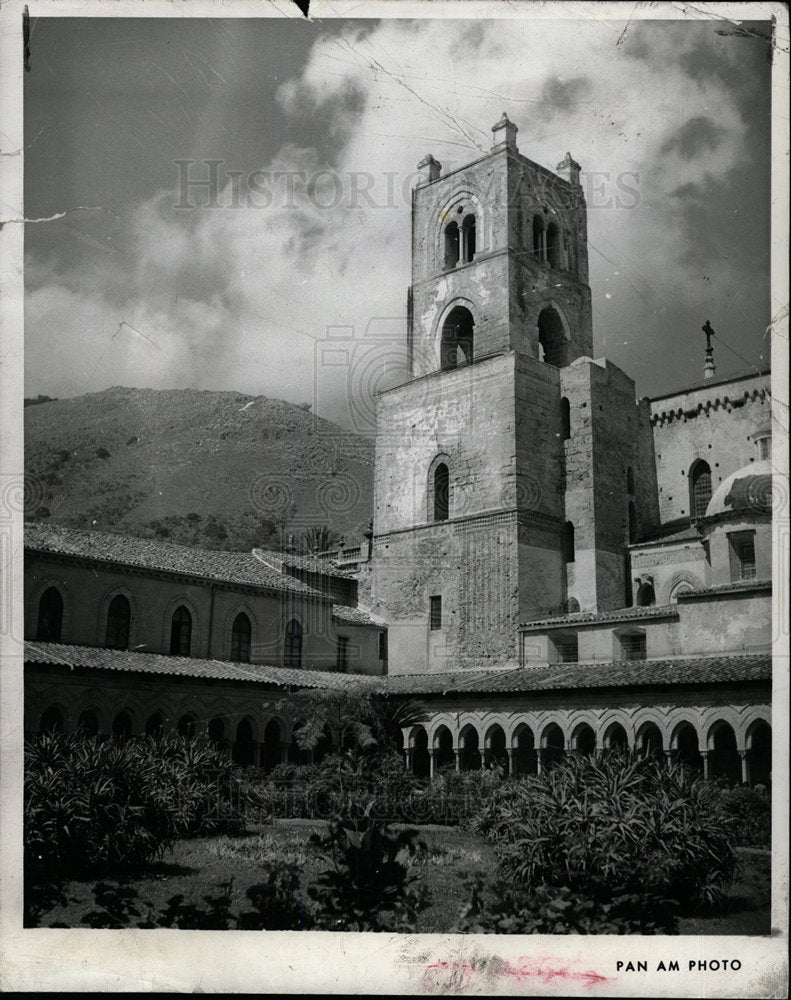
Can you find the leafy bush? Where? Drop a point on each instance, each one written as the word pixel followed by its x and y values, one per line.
pixel 94 801
pixel 613 829
pixel 549 909
pixel 750 815
pixel 367 888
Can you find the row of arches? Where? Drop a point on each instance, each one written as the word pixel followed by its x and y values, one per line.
pixel 529 751
pixel 241 739
pixel 457 338
pixel 50 616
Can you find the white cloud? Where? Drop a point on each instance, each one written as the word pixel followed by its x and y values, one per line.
pixel 239 297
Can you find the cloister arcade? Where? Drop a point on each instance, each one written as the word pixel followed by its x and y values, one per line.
pixel 730 744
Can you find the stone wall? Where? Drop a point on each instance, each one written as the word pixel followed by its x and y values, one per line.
pixel 88 588
pixel 712 422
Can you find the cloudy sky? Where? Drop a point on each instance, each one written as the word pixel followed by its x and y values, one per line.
pixel 316 128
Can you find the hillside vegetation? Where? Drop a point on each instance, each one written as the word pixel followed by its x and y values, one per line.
pixel 216 469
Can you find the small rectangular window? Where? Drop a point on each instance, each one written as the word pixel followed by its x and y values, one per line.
pixel 342 664
pixel 742 552
pixel 567 648
pixel 383 646
pixel 435 617
pixel 746 556
pixel 633 646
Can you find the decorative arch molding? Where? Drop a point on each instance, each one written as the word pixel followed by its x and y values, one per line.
pixel 227 634
pixel 196 635
pixel 676 585
pixel 652 716
pixel 490 728
pixel 470 719
pixel 517 727
pixel 721 720
pixel 758 718
pixel 104 606
pixel 620 716
pixel 549 724
pixel 62 705
pixel 437 722
pixel 97 701
pixel 133 711
pixel 686 718
pixel 411 733
pixel 577 729
pixel 34 600
pixel 641 729
pixel 447 211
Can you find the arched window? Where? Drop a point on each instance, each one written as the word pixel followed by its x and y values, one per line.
pixel 551 338
pixel 553 246
pixel 240 639
pixel 441 492
pixel 632 522
pixel 568 542
pixel 565 418
pixel 468 238
pixel 293 647
pixel 630 481
pixel 50 616
pixel 181 632
pixel 457 339
pixel 119 615
pixel 451 245
pixel 699 489
pixel 539 242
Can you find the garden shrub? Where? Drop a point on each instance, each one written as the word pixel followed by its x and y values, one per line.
pixel 613 830
pixel 547 909
pixel 97 801
pixel 750 815
pixel 366 888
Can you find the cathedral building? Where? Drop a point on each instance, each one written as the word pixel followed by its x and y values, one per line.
pixel 555 565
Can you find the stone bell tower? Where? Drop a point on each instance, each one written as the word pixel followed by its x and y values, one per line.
pixel 470 528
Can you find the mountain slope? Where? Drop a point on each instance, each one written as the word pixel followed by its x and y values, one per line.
pixel 209 468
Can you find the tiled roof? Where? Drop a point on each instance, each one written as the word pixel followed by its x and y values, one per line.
pixel 602 617
pixel 148 553
pixel 570 676
pixel 98 658
pixel 355 616
pixel 549 677
pixel 690 534
pixel 736 587
pixel 325 567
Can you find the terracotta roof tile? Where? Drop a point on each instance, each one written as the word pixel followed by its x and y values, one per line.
pixel 602 617
pixel 355 616
pixel 569 676
pixel 726 588
pixel 99 658
pixel 324 567
pixel 148 553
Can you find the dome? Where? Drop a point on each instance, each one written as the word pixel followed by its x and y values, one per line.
pixel 749 490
